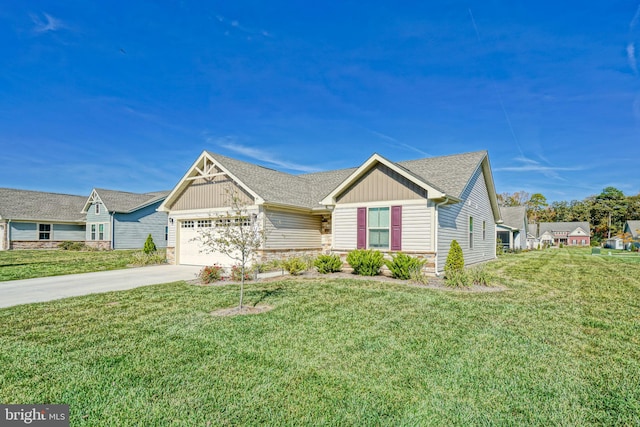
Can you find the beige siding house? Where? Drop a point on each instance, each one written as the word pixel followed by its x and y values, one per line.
pixel 416 207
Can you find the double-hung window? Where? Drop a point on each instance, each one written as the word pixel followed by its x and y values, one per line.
pixel 100 231
pixel 378 222
pixel 470 232
pixel 93 232
pixel 44 231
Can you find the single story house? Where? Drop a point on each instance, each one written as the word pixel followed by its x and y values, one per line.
pixel 576 233
pixel 513 230
pixel 632 228
pixel 614 243
pixel 39 220
pixel 122 220
pixel 417 207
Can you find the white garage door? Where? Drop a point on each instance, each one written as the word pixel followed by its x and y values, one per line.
pixel 190 250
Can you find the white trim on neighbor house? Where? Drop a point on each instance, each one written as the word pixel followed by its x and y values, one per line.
pixel 412 202
pixel 40 232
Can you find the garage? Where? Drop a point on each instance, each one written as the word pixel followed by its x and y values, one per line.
pixel 190 250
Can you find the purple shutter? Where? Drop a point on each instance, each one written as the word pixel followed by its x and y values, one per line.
pixel 362 228
pixel 396 228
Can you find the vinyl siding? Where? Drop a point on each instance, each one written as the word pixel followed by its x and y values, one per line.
pixel 28 231
pixel 381 183
pixel 291 230
pixel 203 194
pixel 102 218
pixel 453 222
pixel 416 227
pixel 131 229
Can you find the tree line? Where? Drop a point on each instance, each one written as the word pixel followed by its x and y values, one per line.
pixel 606 212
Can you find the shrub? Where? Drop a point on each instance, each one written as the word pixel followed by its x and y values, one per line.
pixel 402 265
pixel 72 246
pixel 140 258
pixel 365 262
pixel 418 276
pixel 455 258
pixel 149 246
pixel 236 273
pixel 295 265
pixel 457 278
pixel 210 274
pixel 479 276
pixel 328 264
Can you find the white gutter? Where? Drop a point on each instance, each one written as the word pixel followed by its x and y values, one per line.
pixel 446 200
pixel 112 232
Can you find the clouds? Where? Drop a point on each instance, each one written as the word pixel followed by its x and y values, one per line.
pixel 397 143
pixel 234 25
pixel 46 23
pixel 230 143
pixel 531 165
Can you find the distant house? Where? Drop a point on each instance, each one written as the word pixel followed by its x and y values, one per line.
pixel 564 233
pixel 39 220
pixel 513 230
pixel 614 243
pixel 417 207
pixel 122 220
pixel 633 229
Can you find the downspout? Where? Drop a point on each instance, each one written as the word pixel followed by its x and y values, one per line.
pixel 112 232
pixel 8 235
pixel 446 200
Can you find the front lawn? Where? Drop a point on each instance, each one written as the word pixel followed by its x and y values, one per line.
pixel 19 264
pixel 560 347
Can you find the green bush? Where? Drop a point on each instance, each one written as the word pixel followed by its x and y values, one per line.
pixel 295 265
pixel 236 273
pixel 402 265
pixel 457 278
pixel 328 264
pixel 455 259
pixel 141 258
pixel 149 246
pixel 365 262
pixel 72 246
pixel 418 276
pixel 210 274
pixel 479 276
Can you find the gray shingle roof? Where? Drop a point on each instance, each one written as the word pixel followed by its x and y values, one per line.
pixel 513 216
pixel 124 202
pixel 563 227
pixel 40 206
pixel 634 227
pixel 447 173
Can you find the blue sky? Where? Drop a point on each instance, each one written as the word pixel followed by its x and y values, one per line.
pixel 126 95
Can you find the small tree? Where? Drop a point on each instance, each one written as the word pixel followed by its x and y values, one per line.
pixel 455 259
pixel 149 246
pixel 237 234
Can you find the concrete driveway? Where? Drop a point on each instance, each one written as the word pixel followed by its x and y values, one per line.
pixel 16 292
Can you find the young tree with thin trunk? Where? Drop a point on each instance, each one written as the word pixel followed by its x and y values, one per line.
pixel 237 234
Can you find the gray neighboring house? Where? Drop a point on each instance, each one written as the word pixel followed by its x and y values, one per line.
pixel 633 229
pixel 123 220
pixel 39 220
pixel 514 229
pixel 417 207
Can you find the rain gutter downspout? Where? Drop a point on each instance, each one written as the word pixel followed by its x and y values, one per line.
pixel 446 200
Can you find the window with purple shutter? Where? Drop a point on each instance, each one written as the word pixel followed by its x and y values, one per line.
pixel 396 228
pixel 362 228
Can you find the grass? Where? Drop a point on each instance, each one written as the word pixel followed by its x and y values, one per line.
pixel 561 347
pixel 19 264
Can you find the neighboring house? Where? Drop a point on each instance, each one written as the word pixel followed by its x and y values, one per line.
pixel 39 220
pixel 564 233
pixel 122 220
pixel 417 207
pixel 633 229
pixel 514 229
pixel 614 243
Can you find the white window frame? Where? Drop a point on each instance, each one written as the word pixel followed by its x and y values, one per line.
pixel 379 228
pixel 101 229
pixel 97 208
pixel 470 228
pixel 49 232
pixel 188 224
pixel 92 232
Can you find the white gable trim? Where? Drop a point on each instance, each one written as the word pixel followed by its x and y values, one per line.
pixel 93 198
pixel 330 199
pixel 201 169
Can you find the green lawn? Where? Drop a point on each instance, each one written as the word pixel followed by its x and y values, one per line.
pixel 560 347
pixel 20 264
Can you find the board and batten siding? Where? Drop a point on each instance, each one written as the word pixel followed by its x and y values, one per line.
pixel 210 193
pixel 381 183
pixel 416 226
pixel 132 229
pixel 453 223
pixel 292 230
